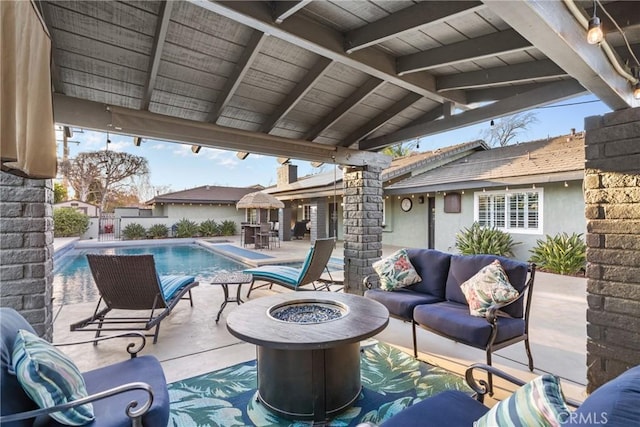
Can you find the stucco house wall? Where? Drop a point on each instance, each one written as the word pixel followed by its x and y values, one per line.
pixel 563 211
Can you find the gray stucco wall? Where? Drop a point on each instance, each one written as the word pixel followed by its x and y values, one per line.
pixel 563 211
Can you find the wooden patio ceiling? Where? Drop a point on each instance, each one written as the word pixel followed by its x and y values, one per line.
pixel 328 81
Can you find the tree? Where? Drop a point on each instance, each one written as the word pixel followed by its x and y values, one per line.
pixel 504 131
pixel 400 150
pixel 103 173
pixel 59 192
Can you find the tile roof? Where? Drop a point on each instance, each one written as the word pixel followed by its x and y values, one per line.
pixel 542 157
pixel 205 194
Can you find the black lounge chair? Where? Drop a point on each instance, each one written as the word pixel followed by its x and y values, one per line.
pixel 293 278
pixel 131 282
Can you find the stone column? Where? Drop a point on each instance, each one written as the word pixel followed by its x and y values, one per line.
pixel 26 249
pixel 612 210
pixel 362 224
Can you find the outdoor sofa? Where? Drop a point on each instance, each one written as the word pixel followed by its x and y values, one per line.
pixel 436 301
pixel 614 404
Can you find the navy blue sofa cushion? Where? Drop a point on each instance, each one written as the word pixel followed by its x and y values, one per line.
pixel 449 408
pixel 433 267
pixel 463 267
pixel 614 404
pixel 401 302
pixel 453 319
pixel 14 399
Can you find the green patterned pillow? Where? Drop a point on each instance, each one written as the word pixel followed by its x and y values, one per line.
pixel 539 403
pixel 50 378
pixel 396 271
pixel 488 286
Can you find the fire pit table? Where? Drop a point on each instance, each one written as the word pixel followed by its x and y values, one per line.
pixel 308 349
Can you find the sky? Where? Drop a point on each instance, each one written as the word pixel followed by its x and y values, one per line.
pixel 175 167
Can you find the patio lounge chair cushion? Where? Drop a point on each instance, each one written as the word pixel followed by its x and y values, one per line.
pixel 50 378
pixel 401 302
pixel 280 273
pixel 537 403
pixel 172 284
pixel 453 320
pixel 396 271
pixel 487 287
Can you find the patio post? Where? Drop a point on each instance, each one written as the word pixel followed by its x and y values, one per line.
pixel 362 224
pixel 612 209
pixel 26 233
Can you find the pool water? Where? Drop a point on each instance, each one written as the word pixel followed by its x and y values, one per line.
pixel 72 281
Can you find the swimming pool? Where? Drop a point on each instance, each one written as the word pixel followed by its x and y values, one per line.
pixel 72 281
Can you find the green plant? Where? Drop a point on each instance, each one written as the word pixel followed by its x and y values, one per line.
pixel 59 193
pixel 158 231
pixel 484 240
pixel 209 228
pixel 186 228
pixel 134 231
pixel 69 222
pixel 228 228
pixel 562 254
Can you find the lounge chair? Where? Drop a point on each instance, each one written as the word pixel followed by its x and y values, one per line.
pixel 131 282
pixel 295 278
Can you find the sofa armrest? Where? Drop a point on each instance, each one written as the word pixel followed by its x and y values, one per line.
pixel 131 411
pixel 370 281
pixel 132 348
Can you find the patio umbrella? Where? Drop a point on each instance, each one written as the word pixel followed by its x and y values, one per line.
pixel 259 200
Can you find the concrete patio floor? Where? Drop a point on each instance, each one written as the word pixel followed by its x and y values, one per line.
pixel 191 342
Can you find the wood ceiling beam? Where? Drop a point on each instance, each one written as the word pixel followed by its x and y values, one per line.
pixel 284 9
pixel 56 82
pixel 337 113
pixel 552 28
pixel 502 92
pixel 382 118
pixel 493 44
pixel 411 18
pixel 249 53
pixel 329 43
pixel 301 89
pixel 77 112
pixel 164 16
pixel 509 74
pixel 548 94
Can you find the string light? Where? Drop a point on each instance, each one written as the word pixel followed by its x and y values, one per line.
pixel 595 35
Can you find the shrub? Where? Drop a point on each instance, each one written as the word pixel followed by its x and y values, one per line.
pixel 209 228
pixel 186 228
pixel 69 222
pixel 134 231
pixel 484 240
pixel 228 228
pixel 562 254
pixel 158 231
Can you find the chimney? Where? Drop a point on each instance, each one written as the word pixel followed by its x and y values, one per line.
pixel 287 174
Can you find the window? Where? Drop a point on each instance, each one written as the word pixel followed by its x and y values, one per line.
pixel 512 211
pixel 306 212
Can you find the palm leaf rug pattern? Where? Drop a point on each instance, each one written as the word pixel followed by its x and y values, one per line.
pixel 391 381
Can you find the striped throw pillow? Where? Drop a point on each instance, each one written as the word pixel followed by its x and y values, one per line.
pixel 50 378
pixel 539 403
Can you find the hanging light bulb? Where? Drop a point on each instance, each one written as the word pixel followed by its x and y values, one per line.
pixel 595 34
pixel 492 123
pixel 636 91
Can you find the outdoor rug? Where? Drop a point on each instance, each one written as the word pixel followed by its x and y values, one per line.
pixel 391 381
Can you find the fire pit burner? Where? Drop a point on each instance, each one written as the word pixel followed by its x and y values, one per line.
pixel 308 311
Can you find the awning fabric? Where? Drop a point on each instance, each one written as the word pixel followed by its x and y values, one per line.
pixel 27 134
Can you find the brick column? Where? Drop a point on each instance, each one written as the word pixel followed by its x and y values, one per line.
pixel 612 204
pixel 26 249
pixel 362 224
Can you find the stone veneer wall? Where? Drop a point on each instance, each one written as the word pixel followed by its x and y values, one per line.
pixel 362 224
pixel 26 249
pixel 612 204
